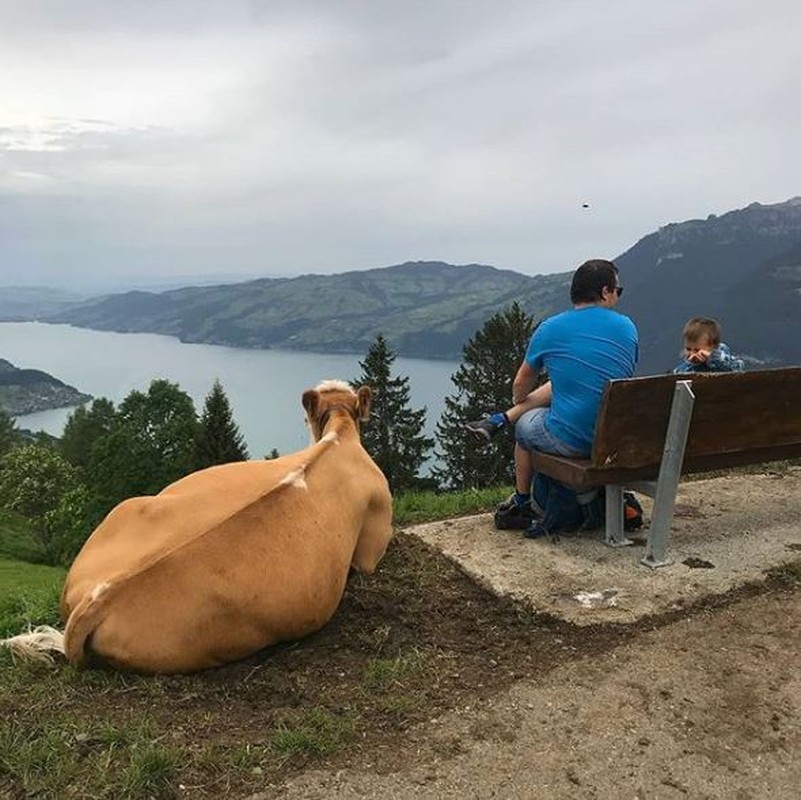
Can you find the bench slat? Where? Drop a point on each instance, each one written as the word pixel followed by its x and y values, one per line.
pixel 582 473
pixel 735 414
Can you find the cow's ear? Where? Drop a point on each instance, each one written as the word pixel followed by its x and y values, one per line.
pixel 363 396
pixel 311 400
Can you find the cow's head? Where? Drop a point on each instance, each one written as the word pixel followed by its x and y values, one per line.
pixel 331 399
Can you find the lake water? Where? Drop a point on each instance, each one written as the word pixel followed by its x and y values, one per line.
pixel 263 386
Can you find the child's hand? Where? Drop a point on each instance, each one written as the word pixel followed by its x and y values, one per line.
pixel 699 356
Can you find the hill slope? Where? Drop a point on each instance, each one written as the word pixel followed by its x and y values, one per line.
pixel 425 309
pixel 23 391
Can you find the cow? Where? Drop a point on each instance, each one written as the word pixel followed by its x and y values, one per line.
pixel 230 559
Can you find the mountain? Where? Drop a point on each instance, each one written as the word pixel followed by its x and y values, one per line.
pixel 23 391
pixel 737 267
pixel 20 303
pixel 741 267
pixel 425 309
pixel 764 309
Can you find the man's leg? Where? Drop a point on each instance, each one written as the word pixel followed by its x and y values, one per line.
pixel 524 471
pixel 532 435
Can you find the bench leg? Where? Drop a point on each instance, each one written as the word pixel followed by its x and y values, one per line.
pixel 669 474
pixel 615 537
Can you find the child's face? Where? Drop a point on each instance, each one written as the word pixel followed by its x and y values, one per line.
pixel 696 351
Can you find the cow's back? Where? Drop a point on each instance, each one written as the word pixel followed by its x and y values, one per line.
pixel 142 530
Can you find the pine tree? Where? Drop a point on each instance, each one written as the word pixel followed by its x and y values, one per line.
pixel 84 427
pixel 219 440
pixel 483 385
pixel 149 446
pixel 394 433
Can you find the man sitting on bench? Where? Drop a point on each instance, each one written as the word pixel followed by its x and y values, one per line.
pixel 580 349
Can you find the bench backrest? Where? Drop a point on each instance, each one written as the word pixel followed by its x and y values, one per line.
pixel 738 418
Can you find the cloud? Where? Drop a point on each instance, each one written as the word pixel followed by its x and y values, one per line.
pixel 278 138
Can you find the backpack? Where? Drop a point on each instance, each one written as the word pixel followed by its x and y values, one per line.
pixel 560 509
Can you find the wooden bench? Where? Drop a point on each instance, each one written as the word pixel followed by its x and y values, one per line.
pixel 653 430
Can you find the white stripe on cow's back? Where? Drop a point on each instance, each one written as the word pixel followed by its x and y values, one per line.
pixel 295 478
pixel 98 590
pixel 331 436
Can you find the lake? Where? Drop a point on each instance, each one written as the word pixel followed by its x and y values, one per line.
pixel 263 386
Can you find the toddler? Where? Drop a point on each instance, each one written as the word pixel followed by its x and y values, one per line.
pixel 703 350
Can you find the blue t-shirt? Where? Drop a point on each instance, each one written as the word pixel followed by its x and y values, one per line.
pixel 581 350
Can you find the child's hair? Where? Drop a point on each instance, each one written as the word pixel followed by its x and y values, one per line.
pixel 702 327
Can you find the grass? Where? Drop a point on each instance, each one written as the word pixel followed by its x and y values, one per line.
pixel 29 595
pixel 317 732
pixel 410 508
pixel 16 538
pixel 56 760
pixel 383 673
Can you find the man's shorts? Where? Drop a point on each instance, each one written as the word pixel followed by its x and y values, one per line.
pixel 531 434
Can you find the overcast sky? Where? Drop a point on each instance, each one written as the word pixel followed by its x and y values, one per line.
pixel 224 137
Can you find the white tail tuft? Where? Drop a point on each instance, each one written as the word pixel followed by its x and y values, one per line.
pixel 37 644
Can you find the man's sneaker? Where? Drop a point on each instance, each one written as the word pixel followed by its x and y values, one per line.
pixel 511 516
pixel 483 427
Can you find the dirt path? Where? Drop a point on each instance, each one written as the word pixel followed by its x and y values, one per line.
pixel 707 707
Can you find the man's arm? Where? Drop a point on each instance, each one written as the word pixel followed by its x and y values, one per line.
pixel 524 382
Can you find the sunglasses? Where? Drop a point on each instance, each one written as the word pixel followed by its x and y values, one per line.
pixel 619 290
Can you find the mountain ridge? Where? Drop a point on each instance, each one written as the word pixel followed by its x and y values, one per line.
pixel 740 266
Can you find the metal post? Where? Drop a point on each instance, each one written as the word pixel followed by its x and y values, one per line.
pixel 614 517
pixel 681 411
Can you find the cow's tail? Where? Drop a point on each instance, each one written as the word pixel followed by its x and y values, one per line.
pixel 38 644
pixel 83 620
pixel 42 642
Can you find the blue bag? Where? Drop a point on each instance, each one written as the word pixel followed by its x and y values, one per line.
pixel 560 509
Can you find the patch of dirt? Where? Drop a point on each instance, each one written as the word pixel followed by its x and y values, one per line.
pixel 448 690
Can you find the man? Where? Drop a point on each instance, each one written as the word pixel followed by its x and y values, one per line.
pixel 580 350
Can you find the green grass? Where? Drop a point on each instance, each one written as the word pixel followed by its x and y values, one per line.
pixel 29 595
pixel 410 508
pixel 16 538
pixel 382 673
pixel 79 760
pixel 317 732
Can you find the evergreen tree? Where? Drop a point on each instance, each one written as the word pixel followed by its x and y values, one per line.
pixel 84 427
pixel 483 384
pixel 393 435
pixel 218 439
pixel 150 445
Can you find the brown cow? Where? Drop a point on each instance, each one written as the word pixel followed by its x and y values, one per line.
pixel 232 558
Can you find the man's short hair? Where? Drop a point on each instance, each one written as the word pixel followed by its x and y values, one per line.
pixel 589 280
pixel 702 327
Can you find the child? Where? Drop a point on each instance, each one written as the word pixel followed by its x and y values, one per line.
pixel 703 350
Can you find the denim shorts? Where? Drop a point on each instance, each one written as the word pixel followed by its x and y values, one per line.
pixel 531 434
